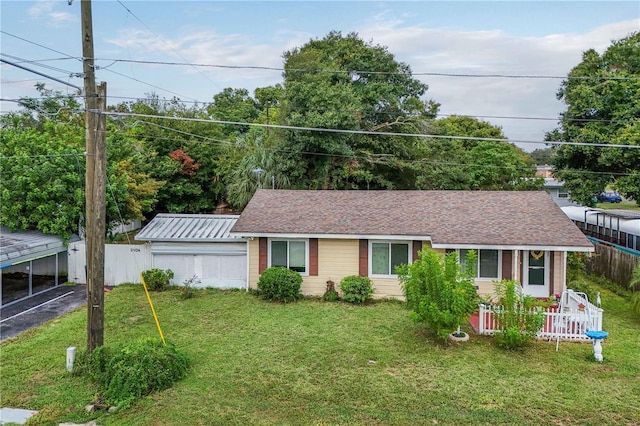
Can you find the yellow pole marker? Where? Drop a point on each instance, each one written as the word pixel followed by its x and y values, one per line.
pixel 155 317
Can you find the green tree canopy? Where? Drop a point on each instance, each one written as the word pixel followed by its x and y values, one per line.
pixel 341 82
pixel 471 164
pixel 42 169
pixel 602 95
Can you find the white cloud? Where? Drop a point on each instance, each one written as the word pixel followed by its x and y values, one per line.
pixel 442 50
pixel 426 50
pixel 46 10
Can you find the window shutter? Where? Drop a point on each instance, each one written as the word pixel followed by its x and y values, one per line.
pixel 417 246
pixel 507 262
pixel 364 258
pixel 262 254
pixel 313 257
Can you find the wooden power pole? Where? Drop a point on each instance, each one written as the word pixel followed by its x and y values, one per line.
pixel 95 134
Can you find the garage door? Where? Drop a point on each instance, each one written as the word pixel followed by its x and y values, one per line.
pixel 212 270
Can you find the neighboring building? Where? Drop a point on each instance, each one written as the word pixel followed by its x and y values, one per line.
pixel 198 245
pixel 544 171
pixel 31 263
pixel 558 193
pixel 327 235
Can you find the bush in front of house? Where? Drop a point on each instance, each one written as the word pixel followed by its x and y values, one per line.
pixel 280 284
pixel 518 321
pixel 439 291
pixel 127 372
pixel 356 289
pixel 157 279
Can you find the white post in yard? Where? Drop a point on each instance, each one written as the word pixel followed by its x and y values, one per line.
pixel 71 356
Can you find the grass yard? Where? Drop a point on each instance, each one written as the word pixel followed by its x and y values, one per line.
pixel 627 205
pixel 319 363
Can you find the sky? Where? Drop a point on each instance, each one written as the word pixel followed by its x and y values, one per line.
pixel 464 39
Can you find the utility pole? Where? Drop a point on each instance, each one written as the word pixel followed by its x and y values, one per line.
pixel 95 189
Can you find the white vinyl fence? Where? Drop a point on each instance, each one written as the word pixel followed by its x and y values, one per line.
pixel 122 262
pixel 570 324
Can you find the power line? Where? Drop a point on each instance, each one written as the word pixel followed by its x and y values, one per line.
pixel 290 108
pixel 22 60
pixel 280 69
pixel 148 84
pixel 368 132
pixel 80 59
pixel 313 70
pixel 171 47
pixel 41 45
pixel 41 74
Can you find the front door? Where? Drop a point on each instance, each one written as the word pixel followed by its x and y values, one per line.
pixel 536 273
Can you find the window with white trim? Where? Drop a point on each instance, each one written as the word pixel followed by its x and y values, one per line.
pixel 384 257
pixel 291 254
pixel 488 262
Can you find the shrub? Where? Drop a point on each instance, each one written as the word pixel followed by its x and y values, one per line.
pixel 127 372
pixel 586 288
pixel 330 294
pixel 157 279
pixel 518 320
pixel 280 284
pixel 356 289
pixel 438 291
pixel 188 290
pixel 576 266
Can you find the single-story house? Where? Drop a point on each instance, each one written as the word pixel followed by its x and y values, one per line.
pixel 198 245
pixel 31 262
pixel 327 235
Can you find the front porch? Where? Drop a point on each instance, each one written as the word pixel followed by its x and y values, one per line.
pixel 568 321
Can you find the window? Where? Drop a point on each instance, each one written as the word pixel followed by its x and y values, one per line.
pixel 291 254
pixel 385 257
pixel 487 266
pixel 563 194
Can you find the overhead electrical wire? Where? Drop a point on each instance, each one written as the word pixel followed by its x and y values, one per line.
pixel 341 130
pixel 288 108
pixel 37 63
pixel 40 73
pixel 330 71
pixel 364 132
pixel 97 68
pixel 164 41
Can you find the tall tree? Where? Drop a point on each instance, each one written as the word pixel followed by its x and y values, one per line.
pixel 181 153
pixel 602 95
pixel 42 169
pixel 473 164
pixel 341 82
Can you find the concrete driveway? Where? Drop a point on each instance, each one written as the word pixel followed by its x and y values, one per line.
pixel 37 310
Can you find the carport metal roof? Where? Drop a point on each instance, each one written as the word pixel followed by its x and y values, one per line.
pixel 201 228
pixel 21 246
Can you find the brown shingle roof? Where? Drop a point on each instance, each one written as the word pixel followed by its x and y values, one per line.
pixel 454 218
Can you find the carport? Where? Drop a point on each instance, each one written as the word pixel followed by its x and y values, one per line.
pixel 198 245
pixel 31 262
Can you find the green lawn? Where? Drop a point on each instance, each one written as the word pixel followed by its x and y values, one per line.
pixel 317 363
pixel 618 206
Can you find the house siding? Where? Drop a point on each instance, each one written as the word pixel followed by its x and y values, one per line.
pixel 557 272
pixel 338 258
pixel 254 263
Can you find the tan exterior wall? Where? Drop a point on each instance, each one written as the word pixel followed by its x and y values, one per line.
pixel 254 250
pixel 336 260
pixel 485 288
pixel 559 273
pixel 340 258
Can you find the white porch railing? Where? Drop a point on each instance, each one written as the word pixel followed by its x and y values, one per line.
pixel 570 324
